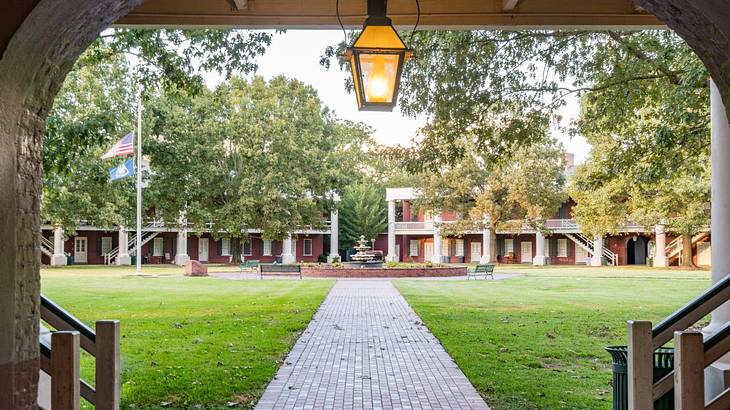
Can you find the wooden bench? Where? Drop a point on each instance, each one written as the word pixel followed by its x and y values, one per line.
pixel 280 270
pixel 486 270
pixel 249 265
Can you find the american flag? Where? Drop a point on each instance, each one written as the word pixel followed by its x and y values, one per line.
pixel 124 146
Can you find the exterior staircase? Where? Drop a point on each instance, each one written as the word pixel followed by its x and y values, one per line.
pixel 62 337
pixel 587 244
pixel 46 246
pixel 674 248
pixel 147 236
pixel 685 385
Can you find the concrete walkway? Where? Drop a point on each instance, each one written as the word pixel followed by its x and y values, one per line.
pixel 366 348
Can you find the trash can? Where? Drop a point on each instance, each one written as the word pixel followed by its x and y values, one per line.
pixel 133 260
pixel 69 260
pixel 663 364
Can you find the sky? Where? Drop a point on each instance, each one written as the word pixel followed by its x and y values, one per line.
pixel 296 54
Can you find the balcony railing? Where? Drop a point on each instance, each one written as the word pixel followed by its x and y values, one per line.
pixel 561 224
pixel 414 226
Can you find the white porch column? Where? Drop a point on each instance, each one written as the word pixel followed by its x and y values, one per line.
pixel 660 245
pixel 437 241
pixel 334 235
pixel 392 257
pixel 181 253
pixel 539 258
pixel 597 258
pixel 287 254
pixel 486 246
pixel 59 257
pixel 123 257
pixel 717 374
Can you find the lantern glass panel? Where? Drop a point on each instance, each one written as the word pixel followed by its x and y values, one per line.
pixel 379 76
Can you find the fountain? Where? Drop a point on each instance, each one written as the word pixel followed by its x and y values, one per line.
pixel 365 257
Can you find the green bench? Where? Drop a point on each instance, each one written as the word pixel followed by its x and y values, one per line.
pixel 485 270
pixel 249 265
pixel 280 270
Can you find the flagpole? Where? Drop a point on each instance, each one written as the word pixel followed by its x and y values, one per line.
pixel 139 184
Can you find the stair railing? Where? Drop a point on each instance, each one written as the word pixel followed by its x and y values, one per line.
pixel 643 340
pixel 61 358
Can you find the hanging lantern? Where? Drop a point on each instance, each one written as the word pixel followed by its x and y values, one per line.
pixel 376 59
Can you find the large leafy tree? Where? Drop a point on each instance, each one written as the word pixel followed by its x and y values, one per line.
pixel 251 154
pixel 96 106
pixel 527 188
pixel 650 157
pixel 362 212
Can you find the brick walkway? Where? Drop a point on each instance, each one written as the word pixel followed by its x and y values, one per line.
pixel 367 349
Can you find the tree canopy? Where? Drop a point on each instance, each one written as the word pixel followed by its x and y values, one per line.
pixel 362 212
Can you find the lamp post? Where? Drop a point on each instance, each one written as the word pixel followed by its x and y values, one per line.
pixel 376 60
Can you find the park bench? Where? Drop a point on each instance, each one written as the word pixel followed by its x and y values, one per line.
pixel 485 270
pixel 249 265
pixel 280 270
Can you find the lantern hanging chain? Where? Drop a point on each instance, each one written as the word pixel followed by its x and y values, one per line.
pixel 418 20
pixel 337 8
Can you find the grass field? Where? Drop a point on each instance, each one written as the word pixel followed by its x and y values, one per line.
pixel 537 341
pixel 190 342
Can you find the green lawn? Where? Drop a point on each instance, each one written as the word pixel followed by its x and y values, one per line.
pixel 537 341
pixel 190 342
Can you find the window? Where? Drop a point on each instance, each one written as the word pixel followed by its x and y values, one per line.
pixel 509 246
pixel 413 247
pixel 307 247
pixel 547 247
pixel 267 247
pixel 459 247
pixel 562 248
pixel 106 244
pixel 157 246
pixel 226 247
pixel 247 248
pixel 445 247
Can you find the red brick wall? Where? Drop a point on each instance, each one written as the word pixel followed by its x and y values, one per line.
pixel 383 273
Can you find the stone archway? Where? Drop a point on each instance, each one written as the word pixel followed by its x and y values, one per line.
pixel 38 57
pixel 32 69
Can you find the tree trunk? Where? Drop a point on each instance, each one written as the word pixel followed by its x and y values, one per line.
pixel 493 244
pixel 236 251
pixel 687 251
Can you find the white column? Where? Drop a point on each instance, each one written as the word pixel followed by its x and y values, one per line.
pixel 287 254
pixel 660 247
pixel 59 257
pixel 123 257
pixel 334 235
pixel 718 373
pixel 597 258
pixel 181 254
pixel 486 246
pixel 437 241
pixel 392 257
pixel 539 258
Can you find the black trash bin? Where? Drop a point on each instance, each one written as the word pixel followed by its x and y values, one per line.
pixel 663 364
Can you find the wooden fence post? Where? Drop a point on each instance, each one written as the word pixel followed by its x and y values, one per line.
pixel 689 371
pixel 65 377
pixel 640 365
pixel 107 365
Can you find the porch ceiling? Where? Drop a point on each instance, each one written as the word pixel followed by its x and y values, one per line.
pixel 434 13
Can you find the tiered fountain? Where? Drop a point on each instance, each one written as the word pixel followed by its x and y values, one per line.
pixel 365 258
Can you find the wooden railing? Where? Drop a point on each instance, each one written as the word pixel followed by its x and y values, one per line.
pixel 692 355
pixel 61 358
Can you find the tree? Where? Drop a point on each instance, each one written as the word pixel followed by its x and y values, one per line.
pixel 251 155
pixel 96 106
pixel 363 212
pixel 525 188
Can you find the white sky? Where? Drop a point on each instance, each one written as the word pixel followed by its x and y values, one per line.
pixel 296 53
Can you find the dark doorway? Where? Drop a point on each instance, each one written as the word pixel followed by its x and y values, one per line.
pixel 636 251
